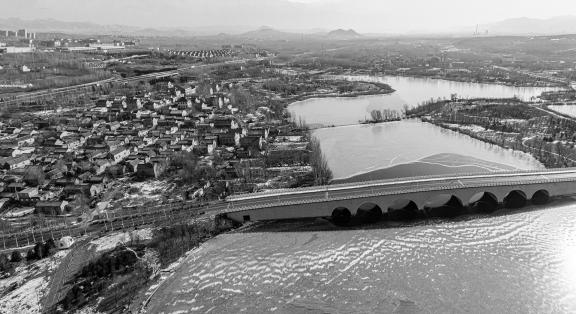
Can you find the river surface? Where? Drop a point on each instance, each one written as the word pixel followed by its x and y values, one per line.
pixel 523 262
pixel 409 92
pixel 506 262
pixel 354 149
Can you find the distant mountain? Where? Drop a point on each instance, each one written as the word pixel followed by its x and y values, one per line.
pixel 269 33
pixel 530 26
pixel 51 26
pixel 343 34
pixel 54 26
pixel 84 28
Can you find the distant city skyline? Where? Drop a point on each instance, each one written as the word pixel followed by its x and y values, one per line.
pixel 365 16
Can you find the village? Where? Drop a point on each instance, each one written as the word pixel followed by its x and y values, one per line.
pixel 127 151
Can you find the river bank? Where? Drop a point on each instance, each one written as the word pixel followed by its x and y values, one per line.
pixel 124 268
pixel 509 142
pixel 432 165
pixel 382 89
pixel 465 79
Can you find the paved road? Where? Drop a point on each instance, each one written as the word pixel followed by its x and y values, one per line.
pixel 536 75
pixel 63 90
pixel 78 257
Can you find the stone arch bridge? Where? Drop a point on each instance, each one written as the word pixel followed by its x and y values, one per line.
pixel 404 198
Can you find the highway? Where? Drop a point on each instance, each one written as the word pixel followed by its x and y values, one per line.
pixel 392 187
pixel 28 96
pixel 536 75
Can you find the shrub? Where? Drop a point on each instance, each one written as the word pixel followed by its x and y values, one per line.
pixel 5 265
pixel 15 257
pixel 31 255
pixel 49 247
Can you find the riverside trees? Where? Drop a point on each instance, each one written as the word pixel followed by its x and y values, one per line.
pixel 385 115
pixel 320 170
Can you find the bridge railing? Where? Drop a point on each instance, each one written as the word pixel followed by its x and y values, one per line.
pixel 265 203
pixel 384 181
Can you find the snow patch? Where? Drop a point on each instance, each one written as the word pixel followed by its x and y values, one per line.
pixel 26 298
pixel 110 241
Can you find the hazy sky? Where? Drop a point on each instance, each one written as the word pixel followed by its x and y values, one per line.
pixel 362 15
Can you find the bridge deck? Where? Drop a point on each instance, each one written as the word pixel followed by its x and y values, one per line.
pixel 394 187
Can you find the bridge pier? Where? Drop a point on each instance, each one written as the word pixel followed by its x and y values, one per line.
pixel 541 197
pixel 341 216
pixel 403 210
pixel 369 213
pixel 515 199
pixel 444 206
pixel 484 202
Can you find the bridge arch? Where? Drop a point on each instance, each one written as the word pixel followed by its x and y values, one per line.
pixel 484 202
pixel 443 205
pixel 369 212
pixel 341 216
pixel 515 199
pixel 403 210
pixel 540 197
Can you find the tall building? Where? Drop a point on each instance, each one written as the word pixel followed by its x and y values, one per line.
pixel 3 33
pixel 22 33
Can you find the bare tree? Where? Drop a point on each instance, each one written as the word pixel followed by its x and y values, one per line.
pixel 320 170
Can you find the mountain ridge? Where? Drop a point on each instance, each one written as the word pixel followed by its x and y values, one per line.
pixel 559 25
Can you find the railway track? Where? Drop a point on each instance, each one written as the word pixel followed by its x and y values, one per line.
pixel 121 220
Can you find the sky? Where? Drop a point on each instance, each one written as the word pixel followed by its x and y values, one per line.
pixel 365 16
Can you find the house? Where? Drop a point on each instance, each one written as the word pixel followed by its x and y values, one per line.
pixel 120 154
pixel 55 174
pixel 100 165
pixel 132 165
pixel 88 190
pixel 25 140
pixel 50 207
pixel 259 131
pixel 63 181
pixel 4 202
pixel 10 163
pixel 288 153
pixel 229 139
pixel 96 180
pixel 252 142
pixel 225 123
pixel 27 194
pixel 15 187
pixel 42 124
pixel 150 170
pixel 19 212
pixel 7 152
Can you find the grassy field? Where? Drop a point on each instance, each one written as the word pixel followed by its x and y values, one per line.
pixel 48 70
